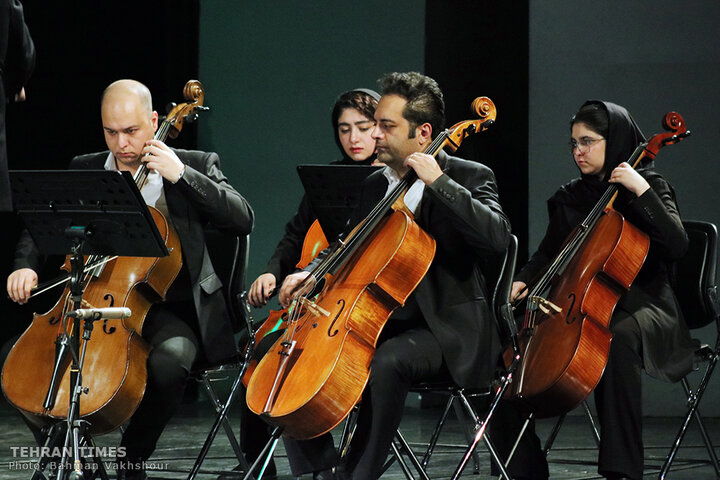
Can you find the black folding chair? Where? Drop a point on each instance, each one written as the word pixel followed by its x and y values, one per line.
pixel 501 270
pixel 229 255
pixel 697 292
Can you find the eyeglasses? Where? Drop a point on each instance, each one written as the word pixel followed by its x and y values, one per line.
pixel 584 144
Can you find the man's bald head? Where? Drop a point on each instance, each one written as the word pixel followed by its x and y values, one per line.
pixel 129 88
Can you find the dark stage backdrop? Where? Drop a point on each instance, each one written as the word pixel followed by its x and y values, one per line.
pixel 650 58
pixel 272 75
pixel 81 47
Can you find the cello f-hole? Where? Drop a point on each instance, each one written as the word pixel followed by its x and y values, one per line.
pixel 106 329
pixel 569 320
pixel 340 302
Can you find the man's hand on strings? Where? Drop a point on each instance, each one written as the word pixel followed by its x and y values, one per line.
pixel 161 158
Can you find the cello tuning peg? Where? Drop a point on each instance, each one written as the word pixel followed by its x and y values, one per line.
pixel 170 106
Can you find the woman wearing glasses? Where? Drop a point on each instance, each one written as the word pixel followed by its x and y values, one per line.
pixel 648 330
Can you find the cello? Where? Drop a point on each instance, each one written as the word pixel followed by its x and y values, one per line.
pixel 565 339
pixel 315 373
pixel 36 375
pixel 313 243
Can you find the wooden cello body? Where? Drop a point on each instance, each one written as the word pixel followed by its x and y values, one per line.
pixel 313 244
pixel 315 373
pixel 335 338
pixel 565 340
pixel 36 374
pixel 115 361
pixel 565 354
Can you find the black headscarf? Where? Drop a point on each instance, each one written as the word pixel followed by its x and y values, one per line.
pixel 345 160
pixel 621 139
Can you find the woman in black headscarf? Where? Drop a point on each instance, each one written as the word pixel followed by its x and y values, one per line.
pixel 352 120
pixel 648 329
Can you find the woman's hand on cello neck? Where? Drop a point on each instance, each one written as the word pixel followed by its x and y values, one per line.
pixel 629 178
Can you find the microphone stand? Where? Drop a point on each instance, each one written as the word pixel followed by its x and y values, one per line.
pixel 75 427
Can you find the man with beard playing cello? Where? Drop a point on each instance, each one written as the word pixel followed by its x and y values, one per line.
pixel 445 326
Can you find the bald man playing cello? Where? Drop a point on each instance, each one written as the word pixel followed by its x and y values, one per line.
pixel 189 188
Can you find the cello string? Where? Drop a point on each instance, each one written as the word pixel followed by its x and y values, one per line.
pixel 142 174
pixel 586 226
pixel 376 214
pixel 340 254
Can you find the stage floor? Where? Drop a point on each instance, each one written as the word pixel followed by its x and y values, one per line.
pixel 572 457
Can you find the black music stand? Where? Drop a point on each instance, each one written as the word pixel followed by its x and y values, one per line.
pixel 82 212
pixel 333 192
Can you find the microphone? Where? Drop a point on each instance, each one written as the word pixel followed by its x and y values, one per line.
pixel 99 313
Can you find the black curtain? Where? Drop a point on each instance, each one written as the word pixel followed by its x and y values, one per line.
pixel 480 48
pixel 83 46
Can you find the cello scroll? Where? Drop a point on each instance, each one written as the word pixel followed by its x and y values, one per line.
pixel 485 109
pixel 677 131
pixel 186 111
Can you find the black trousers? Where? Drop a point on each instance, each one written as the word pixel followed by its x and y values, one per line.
pixel 402 359
pixel 618 399
pixel 175 348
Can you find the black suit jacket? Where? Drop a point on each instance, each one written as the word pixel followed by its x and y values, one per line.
pixel 462 213
pixel 203 196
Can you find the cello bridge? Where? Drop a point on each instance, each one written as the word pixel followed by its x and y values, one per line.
pixel 545 305
pixel 313 307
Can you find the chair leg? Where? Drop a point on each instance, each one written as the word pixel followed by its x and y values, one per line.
pixel 220 420
pixel 469 433
pixel 593 425
pixel 480 431
pixel 526 423
pixel 436 432
pixel 347 432
pixel 411 455
pixel 693 401
pixel 493 453
pixel 397 455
